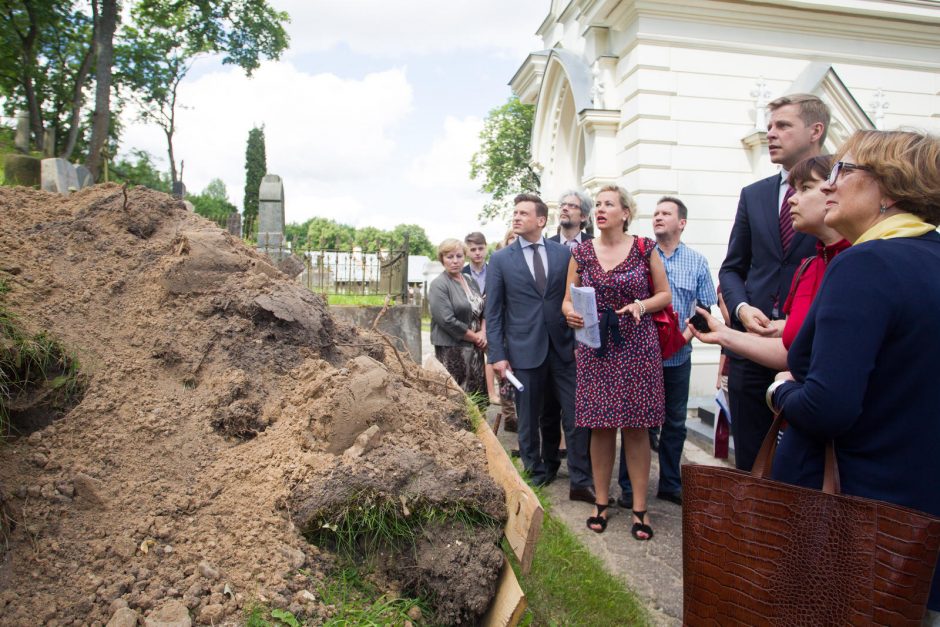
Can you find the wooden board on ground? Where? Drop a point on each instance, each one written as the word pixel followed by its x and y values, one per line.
pixel 508 604
pixel 525 511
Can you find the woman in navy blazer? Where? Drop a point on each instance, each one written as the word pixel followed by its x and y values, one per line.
pixel 863 368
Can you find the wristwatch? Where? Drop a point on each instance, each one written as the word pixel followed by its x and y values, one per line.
pixel 770 395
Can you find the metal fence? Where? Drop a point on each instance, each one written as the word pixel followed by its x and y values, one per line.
pixel 352 271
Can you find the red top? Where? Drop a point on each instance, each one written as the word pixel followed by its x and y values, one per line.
pixel 806 283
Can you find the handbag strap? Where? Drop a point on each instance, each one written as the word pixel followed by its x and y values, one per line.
pixel 763 463
pixel 641 243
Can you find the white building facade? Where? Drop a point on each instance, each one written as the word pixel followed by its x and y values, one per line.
pixel 668 97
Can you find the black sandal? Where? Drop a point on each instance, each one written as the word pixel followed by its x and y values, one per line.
pixel 600 521
pixel 641 527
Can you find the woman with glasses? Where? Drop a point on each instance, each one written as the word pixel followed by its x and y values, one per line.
pixel 808 208
pixel 863 369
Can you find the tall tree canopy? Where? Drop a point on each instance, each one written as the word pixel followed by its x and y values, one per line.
pixel 503 161
pixel 256 166
pixel 52 50
pixel 213 202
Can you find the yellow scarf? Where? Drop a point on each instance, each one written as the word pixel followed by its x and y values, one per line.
pixel 900 225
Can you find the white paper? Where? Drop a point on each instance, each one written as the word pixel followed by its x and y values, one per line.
pixel 585 303
pixel 515 382
pixel 722 400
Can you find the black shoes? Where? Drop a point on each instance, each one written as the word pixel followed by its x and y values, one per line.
pixel 672 497
pixel 582 494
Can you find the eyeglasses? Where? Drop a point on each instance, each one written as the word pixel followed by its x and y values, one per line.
pixel 844 165
pixel 570 205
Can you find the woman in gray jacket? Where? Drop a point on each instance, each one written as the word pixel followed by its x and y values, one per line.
pixel 458 330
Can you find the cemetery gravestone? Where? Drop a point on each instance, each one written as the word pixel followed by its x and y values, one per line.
pixel 234 224
pixel 22 170
pixel 58 175
pixel 21 141
pixel 271 215
pixel 84 176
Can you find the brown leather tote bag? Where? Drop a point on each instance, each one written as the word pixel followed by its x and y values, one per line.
pixel 761 552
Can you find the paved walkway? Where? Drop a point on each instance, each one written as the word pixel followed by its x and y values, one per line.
pixel 651 569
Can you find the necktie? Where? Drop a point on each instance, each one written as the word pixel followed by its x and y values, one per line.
pixel 538 269
pixel 786 221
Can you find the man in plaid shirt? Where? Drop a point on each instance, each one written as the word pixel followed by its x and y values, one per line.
pixel 690 281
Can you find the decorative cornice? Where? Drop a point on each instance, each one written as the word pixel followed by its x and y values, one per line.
pixel 755 139
pixel 592 120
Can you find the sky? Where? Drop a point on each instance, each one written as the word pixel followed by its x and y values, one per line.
pixel 370 118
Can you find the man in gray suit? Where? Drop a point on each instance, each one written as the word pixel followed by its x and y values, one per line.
pixel 527 335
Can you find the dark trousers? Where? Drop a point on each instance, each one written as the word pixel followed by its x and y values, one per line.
pixel 672 433
pixel 750 416
pixel 539 432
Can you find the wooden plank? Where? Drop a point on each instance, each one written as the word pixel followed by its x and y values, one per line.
pixel 509 603
pixel 525 511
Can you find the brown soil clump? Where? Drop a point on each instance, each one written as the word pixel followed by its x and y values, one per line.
pixel 225 415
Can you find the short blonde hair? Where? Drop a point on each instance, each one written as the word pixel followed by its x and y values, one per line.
pixel 626 202
pixel 507 239
pixel 906 165
pixel 449 245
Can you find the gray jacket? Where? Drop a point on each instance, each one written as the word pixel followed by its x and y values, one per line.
pixel 450 310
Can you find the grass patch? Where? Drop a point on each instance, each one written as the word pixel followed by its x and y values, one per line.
pixel 355 600
pixel 367 523
pixel 34 364
pixel 362 300
pixel 568 585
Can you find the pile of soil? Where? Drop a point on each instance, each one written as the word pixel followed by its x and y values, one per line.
pixel 225 415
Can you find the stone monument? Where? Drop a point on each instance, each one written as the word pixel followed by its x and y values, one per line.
pixel 21 141
pixel 58 175
pixel 84 176
pixel 271 215
pixel 234 224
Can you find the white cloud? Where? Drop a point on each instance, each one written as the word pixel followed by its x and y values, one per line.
pixel 383 28
pixel 318 127
pixel 447 163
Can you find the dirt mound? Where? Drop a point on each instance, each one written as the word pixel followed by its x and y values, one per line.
pixel 225 417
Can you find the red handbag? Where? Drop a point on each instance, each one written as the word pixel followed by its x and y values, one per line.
pixel 667 320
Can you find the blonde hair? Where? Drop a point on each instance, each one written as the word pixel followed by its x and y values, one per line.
pixel 507 239
pixel 626 202
pixel 906 165
pixel 449 245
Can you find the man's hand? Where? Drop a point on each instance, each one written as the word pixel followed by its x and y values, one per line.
pixel 500 367
pixel 755 321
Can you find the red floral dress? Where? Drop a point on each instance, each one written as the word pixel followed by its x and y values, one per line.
pixel 624 387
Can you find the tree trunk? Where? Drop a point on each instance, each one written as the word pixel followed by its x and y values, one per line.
pixel 28 44
pixel 170 129
pixel 105 25
pixel 77 98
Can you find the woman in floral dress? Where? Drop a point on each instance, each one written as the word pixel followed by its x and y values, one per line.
pixel 620 384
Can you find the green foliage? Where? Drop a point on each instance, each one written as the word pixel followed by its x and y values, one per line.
pixel 362 300
pixel 418 241
pixel 503 160
pixel 32 361
pixel 368 522
pixel 256 166
pixel 213 202
pixel 258 615
pixel 568 585
pixel 359 602
pixel 140 170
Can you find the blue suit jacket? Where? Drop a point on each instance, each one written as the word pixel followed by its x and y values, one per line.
pixel 520 322
pixel 755 270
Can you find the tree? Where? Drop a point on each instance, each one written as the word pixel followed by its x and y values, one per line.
pixel 504 159
pixel 256 166
pixel 168 36
pixel 105 20
pixel 140 171
pixel 213 203
pixel 327 234
pixel 418 241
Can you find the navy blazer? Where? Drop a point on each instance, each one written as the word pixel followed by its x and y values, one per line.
pixel 520 322
pixel 755 270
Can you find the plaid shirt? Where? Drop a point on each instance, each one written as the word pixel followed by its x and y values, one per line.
pixel 689 280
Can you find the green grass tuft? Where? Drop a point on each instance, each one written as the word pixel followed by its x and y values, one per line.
pixel 29 362
pixel 368 522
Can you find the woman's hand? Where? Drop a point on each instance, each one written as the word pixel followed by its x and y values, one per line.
pixel 633 309
pixel 479 340
pixel 574 319
pixel 716 332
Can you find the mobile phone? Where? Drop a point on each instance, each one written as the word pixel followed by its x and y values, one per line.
pixel 698 320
